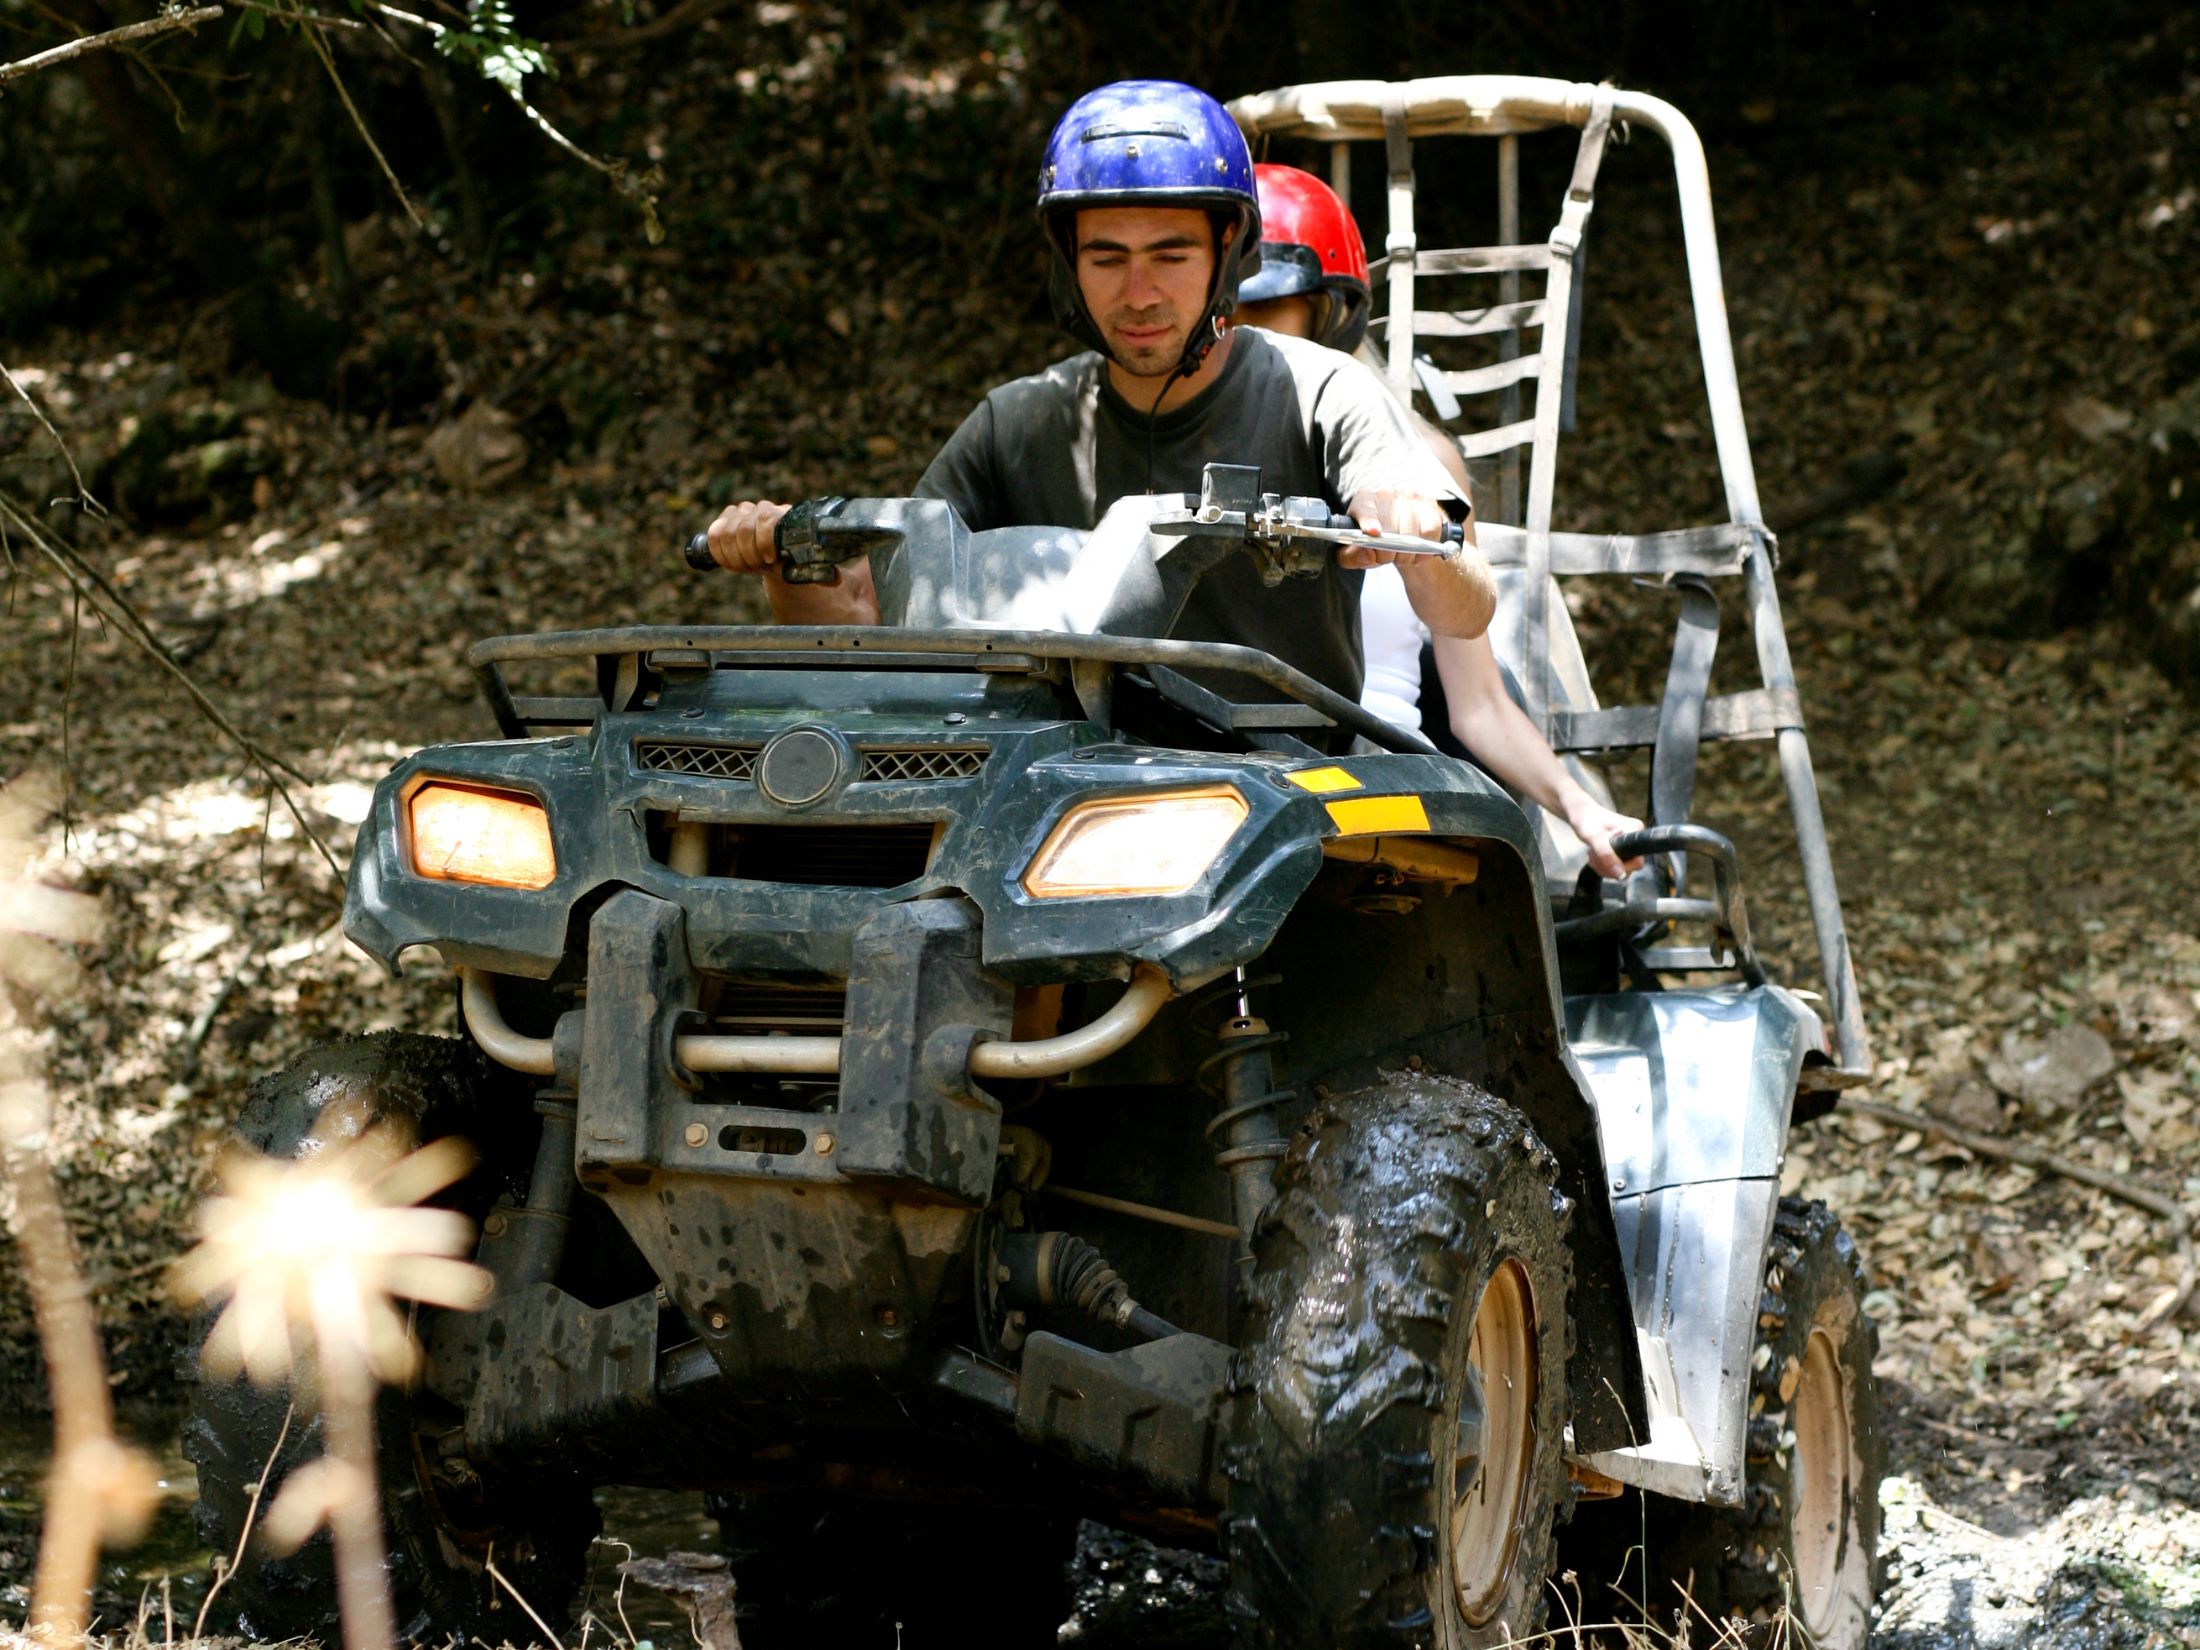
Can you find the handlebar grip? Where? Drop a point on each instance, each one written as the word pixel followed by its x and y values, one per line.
pixel 702 561
pixel 1454 532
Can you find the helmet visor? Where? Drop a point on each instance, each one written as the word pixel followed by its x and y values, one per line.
pixel 1285 272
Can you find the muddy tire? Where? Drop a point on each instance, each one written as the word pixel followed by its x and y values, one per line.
pixel 1807 1534
pixel 1400 1402
pixel 810 1570
pixel 439 1587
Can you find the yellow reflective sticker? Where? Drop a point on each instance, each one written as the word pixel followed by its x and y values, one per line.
pixel 1323 781
pixel 1368 815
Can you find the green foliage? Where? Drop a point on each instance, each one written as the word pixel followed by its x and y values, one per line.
pixel 490 44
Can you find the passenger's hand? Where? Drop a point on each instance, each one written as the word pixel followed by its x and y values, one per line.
pixel 1410 515
pixel 1596 825
pixel 741 538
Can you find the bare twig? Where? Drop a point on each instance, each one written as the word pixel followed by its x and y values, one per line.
pixel 194 1040
pixel 2175 1214
pixel 251 1515
pixel 110 603
pixel 496 1575
pixel 111 37
pixel 685 15
pixel 328 62
pixel 640 187
pixel 83 496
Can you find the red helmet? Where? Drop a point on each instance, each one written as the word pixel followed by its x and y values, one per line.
pixel 1310 246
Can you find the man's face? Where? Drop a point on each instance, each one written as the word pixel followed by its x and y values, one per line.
pixel 1145 272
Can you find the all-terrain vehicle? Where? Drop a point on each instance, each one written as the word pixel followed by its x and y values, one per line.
pixel 938 1082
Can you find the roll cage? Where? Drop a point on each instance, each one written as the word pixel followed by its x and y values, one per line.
pixel 1690 561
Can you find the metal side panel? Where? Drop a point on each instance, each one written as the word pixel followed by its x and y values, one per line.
pixel 1693 1091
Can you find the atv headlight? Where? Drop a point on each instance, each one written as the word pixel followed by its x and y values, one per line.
pixel 1128 845
pixel 464 833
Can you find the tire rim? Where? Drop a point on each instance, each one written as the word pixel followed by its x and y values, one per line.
pixel 1822 1483
pixel 1493 1444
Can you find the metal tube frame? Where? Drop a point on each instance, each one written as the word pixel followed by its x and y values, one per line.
pixel 1503 106
pixel 820 1056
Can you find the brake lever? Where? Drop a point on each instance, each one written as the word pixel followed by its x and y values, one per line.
pixel 1231 505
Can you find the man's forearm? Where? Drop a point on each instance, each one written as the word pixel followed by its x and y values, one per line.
pixel 1453 595
pixel 854 600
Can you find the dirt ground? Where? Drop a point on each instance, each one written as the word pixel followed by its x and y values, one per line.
pixel 2013 822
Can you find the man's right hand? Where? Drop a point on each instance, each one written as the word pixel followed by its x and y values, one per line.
pixel 741 539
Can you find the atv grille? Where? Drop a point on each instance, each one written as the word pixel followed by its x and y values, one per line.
pixel 885 762
pixel 877 764
pixel 830 856
pixel 708 761
pixel 738 1006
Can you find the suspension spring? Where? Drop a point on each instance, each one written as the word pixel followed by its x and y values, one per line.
pixel 1246 1133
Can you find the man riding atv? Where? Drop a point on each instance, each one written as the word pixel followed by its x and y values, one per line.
pixel 1148 203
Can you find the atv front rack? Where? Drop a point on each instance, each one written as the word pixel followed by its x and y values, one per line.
pixel 633 662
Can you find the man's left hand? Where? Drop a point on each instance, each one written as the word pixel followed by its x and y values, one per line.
pixel 1409 515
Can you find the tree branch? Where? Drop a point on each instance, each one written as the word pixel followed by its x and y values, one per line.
pixel 2174 1214
pixel 93 586
pixel 83 497
pixel 112 37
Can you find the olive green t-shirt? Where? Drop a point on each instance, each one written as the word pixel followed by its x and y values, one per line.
pixel 1057 448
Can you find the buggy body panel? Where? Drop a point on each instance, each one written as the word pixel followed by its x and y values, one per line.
pixel 1693 1093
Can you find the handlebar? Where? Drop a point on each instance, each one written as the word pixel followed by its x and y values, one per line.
pixel 1642 905
pixel 1286 536
pixel 812 540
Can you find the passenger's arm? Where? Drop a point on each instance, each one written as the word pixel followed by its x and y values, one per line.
pixel 1486 721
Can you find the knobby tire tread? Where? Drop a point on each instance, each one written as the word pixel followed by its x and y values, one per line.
pixel 1395 1206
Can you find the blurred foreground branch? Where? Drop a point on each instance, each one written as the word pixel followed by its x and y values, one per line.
pixel 99 1492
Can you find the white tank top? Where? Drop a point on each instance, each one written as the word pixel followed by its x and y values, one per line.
pixel 1391 636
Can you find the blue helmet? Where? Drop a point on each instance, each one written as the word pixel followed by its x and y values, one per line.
pixel 1149 143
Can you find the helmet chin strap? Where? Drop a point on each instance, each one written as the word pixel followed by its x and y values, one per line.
pixel 1195 352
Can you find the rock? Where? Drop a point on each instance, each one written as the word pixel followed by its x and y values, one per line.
pixel 2082 514
pixel 1972 1105
pixel 2051 1073
pixel 478 450
pixel 2095 420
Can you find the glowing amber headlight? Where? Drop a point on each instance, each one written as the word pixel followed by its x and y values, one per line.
pixel 1131 845
pixel 464 834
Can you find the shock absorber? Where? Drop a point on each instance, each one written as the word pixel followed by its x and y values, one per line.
pixel 1246 1136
